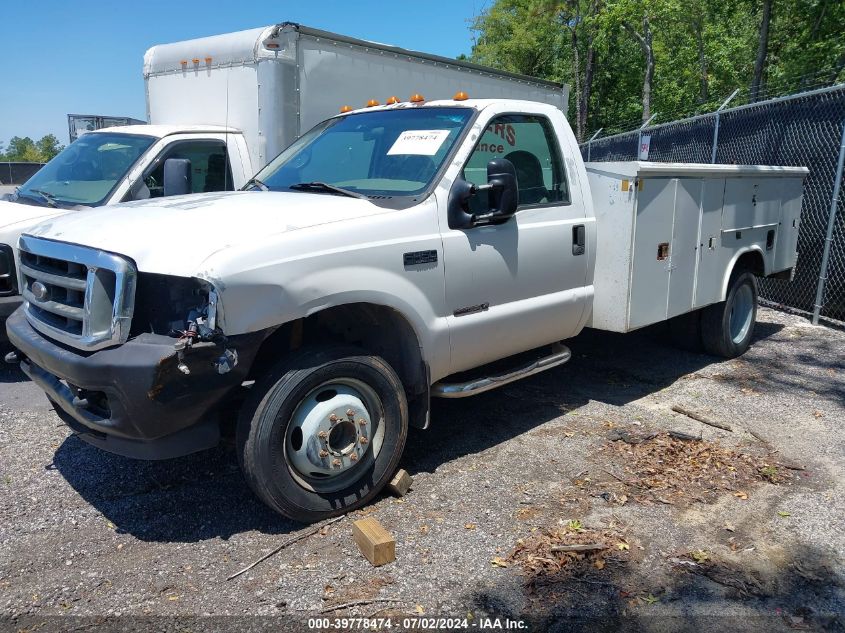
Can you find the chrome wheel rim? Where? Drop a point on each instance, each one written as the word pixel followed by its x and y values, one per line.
pixel 742 313
pixel 335 432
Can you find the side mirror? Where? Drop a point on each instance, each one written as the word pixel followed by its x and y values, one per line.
pixel 502 197
pixel 177 177
pixel 504 193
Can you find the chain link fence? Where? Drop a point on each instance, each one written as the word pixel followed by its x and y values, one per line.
pixel 805 130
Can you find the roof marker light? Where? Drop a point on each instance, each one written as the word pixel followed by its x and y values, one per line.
pixel 392 100
pixel 460 96
pixel 417 98
pixel 372 103
pixel 345 109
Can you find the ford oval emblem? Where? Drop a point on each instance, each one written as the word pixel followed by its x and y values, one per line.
pixel 39 290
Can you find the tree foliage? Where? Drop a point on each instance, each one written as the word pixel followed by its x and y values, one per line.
pixel 25 150
pixel 626 59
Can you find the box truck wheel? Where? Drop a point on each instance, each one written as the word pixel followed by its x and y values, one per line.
pixel 323 432
pixel 727 327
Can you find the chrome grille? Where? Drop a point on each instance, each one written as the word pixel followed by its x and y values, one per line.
pixel 77 295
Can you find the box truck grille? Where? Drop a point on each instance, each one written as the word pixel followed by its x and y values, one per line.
pixel 77 295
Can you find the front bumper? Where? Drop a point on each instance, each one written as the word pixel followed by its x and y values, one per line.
pixel 139 404
pixel 7 306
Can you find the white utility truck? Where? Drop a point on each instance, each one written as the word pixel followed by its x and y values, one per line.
pixel 225 105
pixel 390 255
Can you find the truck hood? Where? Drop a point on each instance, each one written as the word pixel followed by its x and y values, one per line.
pixel 174 236
pixel 21 216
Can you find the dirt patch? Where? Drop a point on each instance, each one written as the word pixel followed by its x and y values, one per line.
pixel 667 469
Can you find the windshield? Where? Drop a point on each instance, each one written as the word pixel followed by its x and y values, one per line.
pixel 383 153
pixel 87 170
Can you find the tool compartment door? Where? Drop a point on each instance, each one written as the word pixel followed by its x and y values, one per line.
pixel 708 280
pixel 652 241
pixel 684 248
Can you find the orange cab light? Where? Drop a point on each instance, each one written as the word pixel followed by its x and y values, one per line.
pixel 392 100
pixel 208 60
pixel 184 62
pixel 460 96
pixel 417 98
pixel 345 109
pixel 372 103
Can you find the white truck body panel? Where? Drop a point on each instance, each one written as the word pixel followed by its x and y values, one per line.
pixel 705 216
pixel 276 82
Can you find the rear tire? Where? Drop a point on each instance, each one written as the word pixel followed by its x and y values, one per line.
pixel 728 327
pixel 302 453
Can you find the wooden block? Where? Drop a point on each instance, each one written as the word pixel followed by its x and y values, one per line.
pixel 375 543
pixel 401 483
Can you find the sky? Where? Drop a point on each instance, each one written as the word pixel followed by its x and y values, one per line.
pixel 86 56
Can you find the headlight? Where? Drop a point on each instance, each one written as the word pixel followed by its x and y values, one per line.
pixel 164 304
pixel 8 279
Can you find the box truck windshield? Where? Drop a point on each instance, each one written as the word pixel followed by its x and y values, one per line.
pixel 86 171
pixel 378 153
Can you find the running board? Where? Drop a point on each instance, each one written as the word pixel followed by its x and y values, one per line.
pixel 560 354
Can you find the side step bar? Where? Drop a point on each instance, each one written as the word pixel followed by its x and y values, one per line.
pixel 560 354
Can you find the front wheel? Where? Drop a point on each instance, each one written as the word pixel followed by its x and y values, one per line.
pixel 727 327
pixel 323 432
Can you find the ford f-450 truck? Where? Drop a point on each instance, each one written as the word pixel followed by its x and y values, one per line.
pixel 388 256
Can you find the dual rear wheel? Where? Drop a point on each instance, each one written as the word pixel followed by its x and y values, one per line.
pixel 722 329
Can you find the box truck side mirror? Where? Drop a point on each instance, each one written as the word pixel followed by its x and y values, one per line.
pixel 177 177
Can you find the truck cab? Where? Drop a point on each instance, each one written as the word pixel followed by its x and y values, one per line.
pixel 115 165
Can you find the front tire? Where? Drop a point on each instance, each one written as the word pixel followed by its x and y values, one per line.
pixel 727 327
pixel 322 433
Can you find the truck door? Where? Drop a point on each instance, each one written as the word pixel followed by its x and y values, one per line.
pixel 210 167
pixel 517 285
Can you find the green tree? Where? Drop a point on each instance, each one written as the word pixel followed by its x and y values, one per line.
pixel 48 146
pixel 625 59
pixel 25 150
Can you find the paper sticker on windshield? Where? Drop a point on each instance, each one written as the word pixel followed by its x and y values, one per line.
pixel 420 142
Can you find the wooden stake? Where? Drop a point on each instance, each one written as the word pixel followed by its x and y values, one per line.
pixel 401 483
pixel 375 543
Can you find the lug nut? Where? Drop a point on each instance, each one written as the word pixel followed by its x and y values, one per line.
pixel 350 413
pixel 322 435
pixel 363 440
pixel 324 453
pixel 336 463
pixel 353 457
pixel 362 422
pixel 332 418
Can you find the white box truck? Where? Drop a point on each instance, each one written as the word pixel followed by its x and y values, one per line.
pixel 228 104
pixel 389 255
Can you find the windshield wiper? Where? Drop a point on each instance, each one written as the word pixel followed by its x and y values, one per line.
pixel 324 186
pixel 49 197
pixel 257 183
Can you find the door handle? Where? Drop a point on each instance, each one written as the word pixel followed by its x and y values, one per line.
pixel 579 239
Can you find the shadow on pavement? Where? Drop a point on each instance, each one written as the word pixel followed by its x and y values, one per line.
pixel 204 496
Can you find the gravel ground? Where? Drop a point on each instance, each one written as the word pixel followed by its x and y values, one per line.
pixel 84 533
